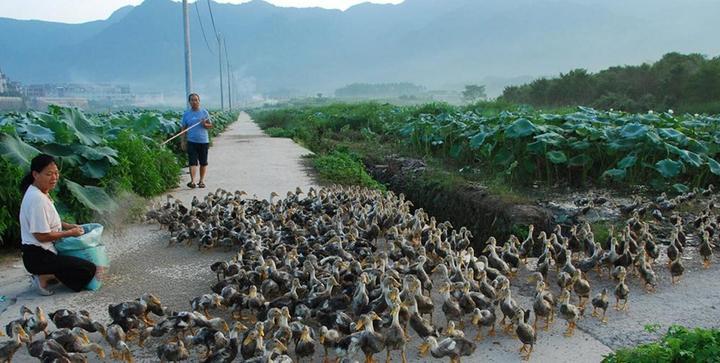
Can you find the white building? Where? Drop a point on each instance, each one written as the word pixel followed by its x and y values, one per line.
pixel 4 82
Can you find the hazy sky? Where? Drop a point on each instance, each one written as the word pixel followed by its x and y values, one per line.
pixel 79 11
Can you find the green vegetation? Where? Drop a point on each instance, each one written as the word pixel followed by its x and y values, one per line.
pixel 99 156
pixel 685 83
pixel 344 168
pixel 679 344
pixel 664 151
pixel 473 93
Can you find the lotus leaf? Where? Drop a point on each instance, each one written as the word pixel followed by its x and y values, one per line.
pixel 556 157
pixel 627 162
pixel 633 131
pixel 580 160
pixel 520 128
pixel 669 168
pixel 92 197
pixel 16 150
pixel 35 133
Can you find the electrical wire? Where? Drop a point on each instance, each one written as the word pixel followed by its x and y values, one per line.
pixel 197 11
pixel 213 20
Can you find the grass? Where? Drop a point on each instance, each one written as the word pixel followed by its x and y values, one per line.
pixel 345 168
pixel 679 344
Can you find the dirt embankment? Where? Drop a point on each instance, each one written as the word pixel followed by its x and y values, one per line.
pixel 466 204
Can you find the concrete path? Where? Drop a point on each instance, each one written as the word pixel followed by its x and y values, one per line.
pixel 244 158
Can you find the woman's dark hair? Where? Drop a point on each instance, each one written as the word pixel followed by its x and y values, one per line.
pixel 37 164
pixel 193 94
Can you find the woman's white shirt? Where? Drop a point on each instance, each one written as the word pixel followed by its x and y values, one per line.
pixel 38 215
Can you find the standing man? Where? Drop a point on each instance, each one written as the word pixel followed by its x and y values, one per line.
pixel 197 120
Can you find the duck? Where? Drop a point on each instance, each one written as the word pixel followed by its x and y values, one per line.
pixel 465 301
pixel 484 318
pixel 329 339
pixel 425 303
pixel 581 287
pixel 48 350
pixel 138 309
pixel 8 348
pixel 450 305
pixel 360 300
pixel 205 302
pixel 493 259
pixel 305 346
pixel 64 318
pixel 676 269
pixel 210 338
pixel 395 338
pixel 600 302
pixel 528 244
pixel 252 342
pixel 510 254
pixel 224 354
pixel 35 323
pixel 369 341
pixel 508 306
pixel 118 347
pixel 451 347
pixel 542 306
pixel 622 292
pixel 420 325
pixel 172 352
pixel 646 273
pixel 525 332
pixel 705 249
pixel 76 341
pixel 569 312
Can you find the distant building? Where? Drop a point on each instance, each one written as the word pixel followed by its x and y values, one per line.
pixel 3 82
pixel 41 103
pixel 11 103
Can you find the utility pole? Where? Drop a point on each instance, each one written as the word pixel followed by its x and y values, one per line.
pixel 227 70
pixel 220 53
pixel 188 65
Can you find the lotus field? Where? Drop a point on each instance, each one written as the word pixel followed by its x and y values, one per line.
pixel 661 150
pixel 99 156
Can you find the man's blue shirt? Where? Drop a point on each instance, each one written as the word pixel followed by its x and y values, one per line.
pixel 197 134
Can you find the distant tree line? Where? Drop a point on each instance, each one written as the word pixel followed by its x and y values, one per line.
pixel 689 83
pixel 379 90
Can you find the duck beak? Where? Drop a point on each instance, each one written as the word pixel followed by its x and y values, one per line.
pixel 359 325
pixel 322 339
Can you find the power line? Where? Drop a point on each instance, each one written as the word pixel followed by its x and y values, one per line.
pixel 212 18
pixel 197 11
pixel 220 50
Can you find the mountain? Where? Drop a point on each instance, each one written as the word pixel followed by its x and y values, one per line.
pixel 428 42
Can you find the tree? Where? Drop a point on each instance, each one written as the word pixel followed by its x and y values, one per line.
pixel 473 92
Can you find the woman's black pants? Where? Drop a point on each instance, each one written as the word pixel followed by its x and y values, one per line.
pixel 73 272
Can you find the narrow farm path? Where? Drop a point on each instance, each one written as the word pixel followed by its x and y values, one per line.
pixel 244 158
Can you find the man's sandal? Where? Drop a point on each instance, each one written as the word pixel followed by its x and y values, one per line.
pixel 191 185
pixel 201 185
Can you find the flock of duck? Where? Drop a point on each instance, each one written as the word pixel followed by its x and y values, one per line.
pixel 344 271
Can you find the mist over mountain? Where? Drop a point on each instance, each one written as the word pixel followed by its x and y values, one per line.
pixel 434 43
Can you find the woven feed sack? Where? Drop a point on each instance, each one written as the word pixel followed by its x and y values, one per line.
pixel 89 247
